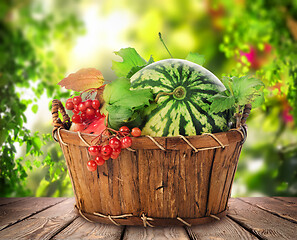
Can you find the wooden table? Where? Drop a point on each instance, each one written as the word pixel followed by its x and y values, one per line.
pixel 55 218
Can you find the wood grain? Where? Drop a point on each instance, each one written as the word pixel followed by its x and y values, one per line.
pixel 4 201
pixel 169 143
pixel 43 225
pixel 291 200
pixel 274 206
pixel 82 229
pixel 263 224
pixel 26 207
pixel 223 229
pixel 157 233
pixel 178 182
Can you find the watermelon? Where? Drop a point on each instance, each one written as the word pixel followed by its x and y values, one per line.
pixel 92 126
pixel 183 106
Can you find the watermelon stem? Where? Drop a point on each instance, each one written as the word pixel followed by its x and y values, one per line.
pixel 162 41
pixel 160 94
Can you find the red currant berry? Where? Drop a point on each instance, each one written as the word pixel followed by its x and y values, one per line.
pixel 88 103
pixel 77 100
pixel 90 113
pixel 94 150
pixel 82 107
pixel 106 150
pixel 114 156
pixel 98 113
pixel 91 165
pixel 99 160
pixel 69 100
pixel 76 118
pixel 106 157
pixel 136 132
pixel 115 153
pixel 95 104
pixel 126 142
pixel 114 143
pixel 75 111
pixel 69 105
pixel 124 130
pixel 83 116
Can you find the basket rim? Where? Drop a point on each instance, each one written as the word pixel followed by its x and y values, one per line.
pixel 197 142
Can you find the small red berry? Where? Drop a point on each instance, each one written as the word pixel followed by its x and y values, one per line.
pixel 82 107
pixel 99 160
pixel 95 104
pixel 77 100
pixel 88 103
pixel 83 116
pixel 98 113
pixel 106 157
pixel 106 150
pixel 69 100
pixel 124 130
pixel 114 143
pixel 136 132
pixel 126 142
pixel 76 118
pixel 94 150
pixel 90 113
pixel 91 165
pixel 69 105
pixel 115 153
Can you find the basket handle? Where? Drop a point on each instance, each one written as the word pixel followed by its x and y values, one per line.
pixel 56 107
pixel 245 114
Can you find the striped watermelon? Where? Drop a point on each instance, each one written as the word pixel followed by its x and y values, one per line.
pixel 186 110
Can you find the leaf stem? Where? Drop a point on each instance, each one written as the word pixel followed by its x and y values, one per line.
pixel 162 41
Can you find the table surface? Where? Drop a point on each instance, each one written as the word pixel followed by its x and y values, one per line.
pixel 55 218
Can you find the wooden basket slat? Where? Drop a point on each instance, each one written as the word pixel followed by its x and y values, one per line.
pixel 162 184
pixel 221 164
pixel 230 177
pixel 169 143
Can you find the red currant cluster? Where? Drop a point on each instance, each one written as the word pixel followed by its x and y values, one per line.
pixel 112 149
pixel 83 110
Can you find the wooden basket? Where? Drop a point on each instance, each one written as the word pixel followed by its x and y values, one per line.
pixel 160 181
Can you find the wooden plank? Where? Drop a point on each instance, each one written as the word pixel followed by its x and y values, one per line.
pixel 43 225
pixel 4 201
pixel 82 229
pixel 274 206
pixel 19 210
pixel 261 223
pixel 223 229
pixel 157 233
pixel 287 199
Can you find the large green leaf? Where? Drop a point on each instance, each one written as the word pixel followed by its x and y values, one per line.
pixel 130 59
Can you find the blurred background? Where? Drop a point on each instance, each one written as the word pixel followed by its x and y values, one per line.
pixel 42 41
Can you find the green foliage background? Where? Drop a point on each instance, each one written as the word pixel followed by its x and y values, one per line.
pixel 255 37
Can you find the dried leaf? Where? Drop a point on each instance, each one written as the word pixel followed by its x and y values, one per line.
pixel 83 79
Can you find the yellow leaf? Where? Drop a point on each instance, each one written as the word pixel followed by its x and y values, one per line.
pixel 83 79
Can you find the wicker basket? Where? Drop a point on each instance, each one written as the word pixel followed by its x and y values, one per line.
pixel 160 181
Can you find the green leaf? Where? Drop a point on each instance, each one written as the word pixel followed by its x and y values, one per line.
pixel 244 89
pixel 119 116
pixel 119 93
pixel 137 68
pixel 132 63
pixel 196 58
pixel 259 100
pixel 130 59
pixel 34 108
pixel 221 103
